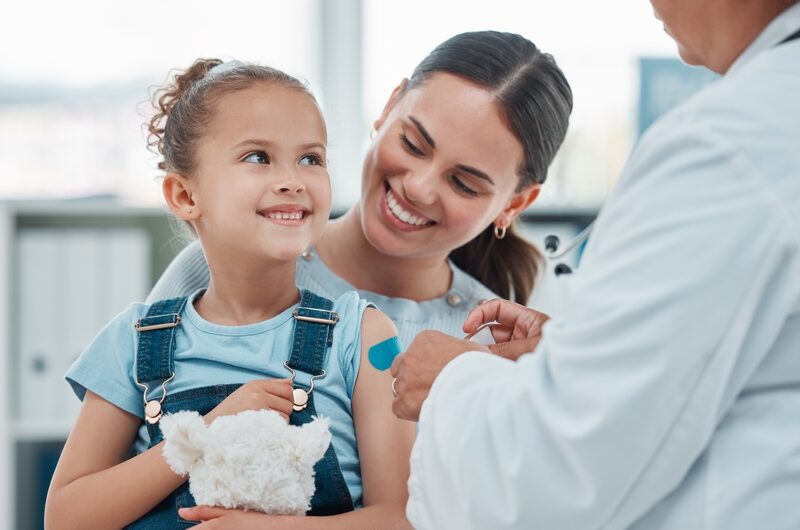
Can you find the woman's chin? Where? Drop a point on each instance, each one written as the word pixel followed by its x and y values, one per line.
pixel 388 242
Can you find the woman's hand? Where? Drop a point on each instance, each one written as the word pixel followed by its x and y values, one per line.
pixel 220 518
pixel 518 329
pixel 272 394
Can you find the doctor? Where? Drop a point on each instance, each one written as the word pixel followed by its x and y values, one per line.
pixel 667 394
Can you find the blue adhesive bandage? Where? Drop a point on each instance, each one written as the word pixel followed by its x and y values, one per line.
pixel 382 354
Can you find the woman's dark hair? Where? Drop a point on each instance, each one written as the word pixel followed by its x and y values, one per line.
pixel 535 98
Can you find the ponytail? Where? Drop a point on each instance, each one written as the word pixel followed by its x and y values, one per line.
pixel 507 266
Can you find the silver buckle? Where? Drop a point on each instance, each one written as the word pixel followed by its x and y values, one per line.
pixel 166 325
pixel 333 320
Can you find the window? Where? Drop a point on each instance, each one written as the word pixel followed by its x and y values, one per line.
pixel 73 95
pixel 597 45
pixel 74 80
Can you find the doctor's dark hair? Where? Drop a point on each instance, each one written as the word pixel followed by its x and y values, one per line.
pixel 185 106
pixel 535 98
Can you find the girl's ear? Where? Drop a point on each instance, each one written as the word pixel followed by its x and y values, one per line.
pixel 517 204
pixel 397 93
pixel 178 194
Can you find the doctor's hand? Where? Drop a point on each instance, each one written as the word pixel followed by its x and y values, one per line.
pixel 415 369
pixel 518 329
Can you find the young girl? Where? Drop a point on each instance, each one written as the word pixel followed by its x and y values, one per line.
pixel 244 151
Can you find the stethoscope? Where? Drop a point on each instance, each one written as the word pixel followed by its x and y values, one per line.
pixel 552 242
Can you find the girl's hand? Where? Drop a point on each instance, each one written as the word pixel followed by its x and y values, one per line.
pixel 220 518
pixel 271 394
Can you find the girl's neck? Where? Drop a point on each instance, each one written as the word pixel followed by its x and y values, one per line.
pixel 245 292
pixel 346 251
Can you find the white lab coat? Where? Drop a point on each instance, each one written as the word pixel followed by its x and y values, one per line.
pixel 667 393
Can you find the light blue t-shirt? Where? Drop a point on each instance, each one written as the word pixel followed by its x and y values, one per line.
pixel 189 272
pixel 212 354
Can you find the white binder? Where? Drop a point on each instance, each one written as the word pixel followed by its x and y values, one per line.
pixel 40 307
pixel 72 282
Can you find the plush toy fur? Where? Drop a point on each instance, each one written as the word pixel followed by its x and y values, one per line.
pixel 251 460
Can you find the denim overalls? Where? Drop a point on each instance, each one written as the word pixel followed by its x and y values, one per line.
pixel 155 364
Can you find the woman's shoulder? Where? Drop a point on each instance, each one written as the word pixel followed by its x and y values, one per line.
pixel 350 305
pixel 185 274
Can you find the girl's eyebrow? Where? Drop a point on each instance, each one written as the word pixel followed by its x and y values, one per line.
pixel 268 143
pixel 313 145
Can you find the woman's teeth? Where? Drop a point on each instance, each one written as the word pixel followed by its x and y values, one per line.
pixel 401 214
pixel 286 215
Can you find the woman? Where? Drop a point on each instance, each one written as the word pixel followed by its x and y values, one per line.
pixel 460 149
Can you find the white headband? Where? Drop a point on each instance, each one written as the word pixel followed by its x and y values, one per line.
pixel 221 68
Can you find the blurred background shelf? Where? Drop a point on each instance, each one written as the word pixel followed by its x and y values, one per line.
pixel 68 267
pixel 41 430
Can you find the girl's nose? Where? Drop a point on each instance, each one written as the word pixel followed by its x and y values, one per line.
pixel 289 185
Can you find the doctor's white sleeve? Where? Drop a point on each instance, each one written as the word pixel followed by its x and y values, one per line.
pixel 625 389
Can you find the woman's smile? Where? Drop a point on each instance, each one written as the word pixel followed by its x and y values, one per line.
pixel 399 214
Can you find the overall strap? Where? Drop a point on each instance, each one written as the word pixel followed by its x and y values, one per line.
pixel 313 333
pixel 313 336
pixel 154 355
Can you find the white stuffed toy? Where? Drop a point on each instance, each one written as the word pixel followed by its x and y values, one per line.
pixel 252 460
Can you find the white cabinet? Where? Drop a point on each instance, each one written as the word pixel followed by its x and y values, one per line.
pixel 66 268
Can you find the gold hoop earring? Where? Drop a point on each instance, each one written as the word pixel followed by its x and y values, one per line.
pixel 499 232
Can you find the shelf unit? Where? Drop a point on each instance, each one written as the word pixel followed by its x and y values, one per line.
pixel 66 268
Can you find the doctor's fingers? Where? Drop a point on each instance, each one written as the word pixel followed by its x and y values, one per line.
pixel 514 349
pixel 522 321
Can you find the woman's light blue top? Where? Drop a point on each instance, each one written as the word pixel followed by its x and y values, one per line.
pixel 189 272
pixel 212 354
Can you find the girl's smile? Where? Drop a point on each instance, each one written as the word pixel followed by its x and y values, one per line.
pixel 286 214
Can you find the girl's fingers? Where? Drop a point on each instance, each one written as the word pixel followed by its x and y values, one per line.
pixel 279 404
pixel 202 513
pixel 278 387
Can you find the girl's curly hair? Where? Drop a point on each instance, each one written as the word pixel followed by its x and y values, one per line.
pixel 186 104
